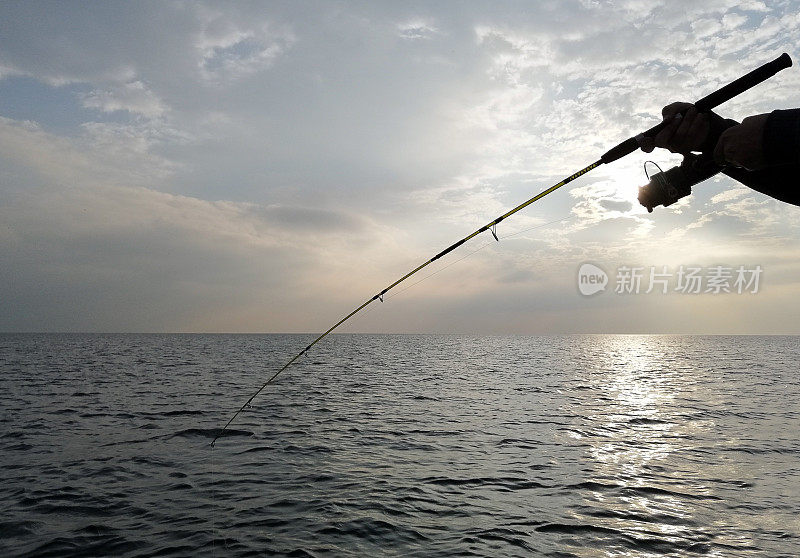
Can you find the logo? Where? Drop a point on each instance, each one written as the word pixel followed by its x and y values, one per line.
pixel 683 279
pixel 591 279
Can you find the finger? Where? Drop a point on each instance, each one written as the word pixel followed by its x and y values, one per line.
pixel 732 155
pixel 647 144
pixel 726 153
pixel 664 137
pixel 719 151
pixel 681 139
pixel 697 133
pixel 749 141
pixel 669 111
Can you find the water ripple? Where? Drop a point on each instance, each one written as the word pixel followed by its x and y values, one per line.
pixel 422 446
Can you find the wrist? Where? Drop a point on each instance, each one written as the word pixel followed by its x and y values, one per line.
pixel 718 125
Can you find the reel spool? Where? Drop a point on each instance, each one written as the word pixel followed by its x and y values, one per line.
pixel 667 187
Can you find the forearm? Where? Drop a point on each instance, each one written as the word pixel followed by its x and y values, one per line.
pixel 769 144
pixel 782 138
pixel 780 179
pixel 780 182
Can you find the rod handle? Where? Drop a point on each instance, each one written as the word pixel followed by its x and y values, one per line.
pixel 710 101
pixel 744 83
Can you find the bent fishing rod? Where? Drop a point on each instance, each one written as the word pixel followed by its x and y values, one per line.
pixel 627 147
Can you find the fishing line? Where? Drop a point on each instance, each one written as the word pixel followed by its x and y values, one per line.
pixel 622 149
pixel 490 243
pixel 475 252
pixel 491 226
pixel 213 509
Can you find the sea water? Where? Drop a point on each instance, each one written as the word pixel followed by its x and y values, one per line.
pixel 400 445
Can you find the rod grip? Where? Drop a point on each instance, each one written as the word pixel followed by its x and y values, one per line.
pixel 744 83
pixel 710 101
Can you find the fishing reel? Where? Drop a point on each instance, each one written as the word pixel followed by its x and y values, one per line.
pixel 667 187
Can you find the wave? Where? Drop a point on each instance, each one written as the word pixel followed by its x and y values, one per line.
pixel 210 433
pixel 510 483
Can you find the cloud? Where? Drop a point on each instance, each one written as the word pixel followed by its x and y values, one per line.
pixel 729 195
pixel 230 51
pixel 616 206
pixel 134 97
pixel 741 215
pixel 417 29
pixel 85 250
pixel 600 201
pixel 98 256
pixel 266 165
pixel 103 154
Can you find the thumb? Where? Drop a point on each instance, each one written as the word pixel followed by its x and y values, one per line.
pixel 719 151
pixel 647 144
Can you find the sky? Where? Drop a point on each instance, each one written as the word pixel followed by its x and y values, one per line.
pixel 269 166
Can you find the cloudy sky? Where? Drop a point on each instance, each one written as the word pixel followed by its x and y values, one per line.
pixel 268 166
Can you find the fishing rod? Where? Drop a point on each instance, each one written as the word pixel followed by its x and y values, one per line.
pixel 626 147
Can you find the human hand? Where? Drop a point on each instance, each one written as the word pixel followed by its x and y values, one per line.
pixel 743 145
pixel 687 130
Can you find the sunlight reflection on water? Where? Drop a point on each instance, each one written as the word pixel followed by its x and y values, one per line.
pixel 402 445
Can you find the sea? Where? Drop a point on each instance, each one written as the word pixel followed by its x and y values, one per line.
pixel 400 445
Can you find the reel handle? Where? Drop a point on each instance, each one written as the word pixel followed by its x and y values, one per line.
pixel 710 101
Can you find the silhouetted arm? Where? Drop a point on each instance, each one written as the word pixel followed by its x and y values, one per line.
pixel 780 178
